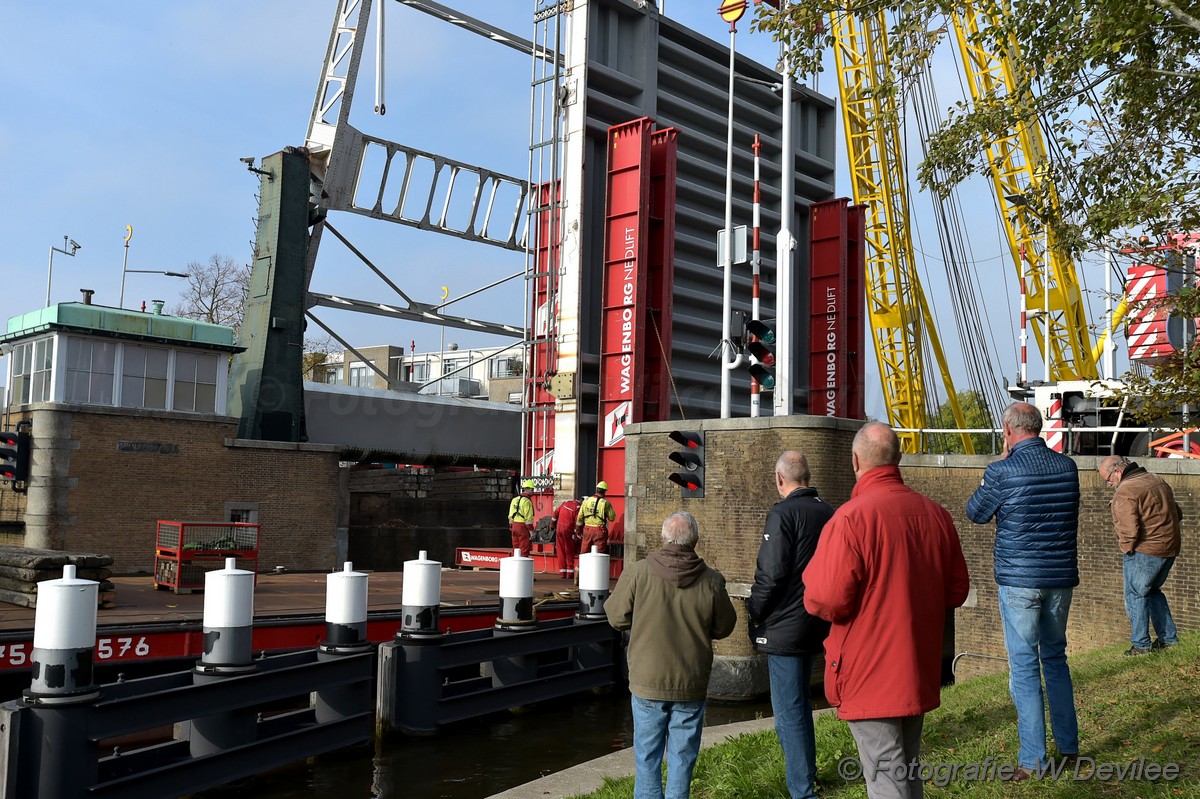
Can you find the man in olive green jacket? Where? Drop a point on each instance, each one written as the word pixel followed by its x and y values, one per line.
pixel 674 606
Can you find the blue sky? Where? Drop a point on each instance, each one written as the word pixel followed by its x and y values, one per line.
pixel 138 116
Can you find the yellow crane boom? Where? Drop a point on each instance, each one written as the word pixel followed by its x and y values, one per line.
pixel 1019 173
pixel 900 319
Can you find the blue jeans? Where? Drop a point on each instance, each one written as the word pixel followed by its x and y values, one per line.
pixel 1035 634
pixel 1144 600
pixel 671 726
pixel 790 678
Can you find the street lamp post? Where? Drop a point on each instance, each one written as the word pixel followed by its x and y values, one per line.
pixel 731 11
pixel 785 243
pixel 125 271
pixel 67 242
pixel 125 263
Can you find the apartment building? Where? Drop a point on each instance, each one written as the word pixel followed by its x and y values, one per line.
pixel 491 373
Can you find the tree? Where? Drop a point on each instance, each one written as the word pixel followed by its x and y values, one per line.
pixel 216 291
pixel 1115 86
pixel 317 350
pixel 977 417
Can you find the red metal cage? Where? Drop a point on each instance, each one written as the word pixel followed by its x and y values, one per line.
pixel 185 551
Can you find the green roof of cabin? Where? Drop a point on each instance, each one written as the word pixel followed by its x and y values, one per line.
pixel 100 320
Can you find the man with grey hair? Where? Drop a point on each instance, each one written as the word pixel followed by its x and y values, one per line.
pixel 674 605
pixel 887 570
pixel 1033 494
pixel 1146 518
pixel 778 624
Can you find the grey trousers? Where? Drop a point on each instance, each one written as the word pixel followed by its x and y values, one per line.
pixel 888 750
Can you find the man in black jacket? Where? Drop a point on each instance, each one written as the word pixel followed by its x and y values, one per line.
pixel 779 624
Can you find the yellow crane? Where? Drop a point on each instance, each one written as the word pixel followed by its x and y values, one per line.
pixel 896 305
pixel 1019 173
pixel 900 320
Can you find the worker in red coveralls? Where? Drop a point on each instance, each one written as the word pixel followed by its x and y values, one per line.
pixel 566 544
pixel 595 514
pixel 520 517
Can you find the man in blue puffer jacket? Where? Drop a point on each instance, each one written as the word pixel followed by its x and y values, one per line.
pixel 1033 493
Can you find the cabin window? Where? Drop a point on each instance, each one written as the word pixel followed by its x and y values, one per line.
pixel 90 371
pixel 32 363
pixel 144 377
pixel 195 382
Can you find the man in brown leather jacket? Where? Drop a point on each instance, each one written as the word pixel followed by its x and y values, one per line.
pixel 1146 517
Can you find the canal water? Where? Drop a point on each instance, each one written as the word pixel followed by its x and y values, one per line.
pixel 473 760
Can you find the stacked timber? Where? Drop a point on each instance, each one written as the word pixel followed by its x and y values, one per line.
pixel 22 568
pixel 472 485
pixel 407 481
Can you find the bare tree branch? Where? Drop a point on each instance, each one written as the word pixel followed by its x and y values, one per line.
pixel 216 291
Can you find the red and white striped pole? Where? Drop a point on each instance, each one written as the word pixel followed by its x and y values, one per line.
pixel 1024 376
pixel 755 270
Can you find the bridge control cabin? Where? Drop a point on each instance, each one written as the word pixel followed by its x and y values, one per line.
pixel 79 353
pixel 128 413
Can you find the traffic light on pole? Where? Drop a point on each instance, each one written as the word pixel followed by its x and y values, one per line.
pixel 760 345
pixel 691 457
pixel 14 458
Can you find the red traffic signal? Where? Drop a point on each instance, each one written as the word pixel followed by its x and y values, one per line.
pixel 691 458
pixel 760 340
pixel 14 458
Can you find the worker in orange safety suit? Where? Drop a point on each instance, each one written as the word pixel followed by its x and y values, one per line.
pixel 593 519
pixel 566 542
pixel 520 517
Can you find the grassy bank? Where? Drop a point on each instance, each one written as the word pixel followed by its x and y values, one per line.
pixel 1136 715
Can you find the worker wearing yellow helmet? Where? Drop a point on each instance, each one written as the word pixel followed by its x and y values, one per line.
pixel 592 522
pixel 520 517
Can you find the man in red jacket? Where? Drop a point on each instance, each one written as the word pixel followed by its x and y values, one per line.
pixel 888 566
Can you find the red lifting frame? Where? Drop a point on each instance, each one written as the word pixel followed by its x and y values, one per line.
pixel 660 277
pixel 622 322
pixel 542 357
pixel 836 309
pixel 635 320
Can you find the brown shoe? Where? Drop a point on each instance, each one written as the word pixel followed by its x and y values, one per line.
pixel 1020 775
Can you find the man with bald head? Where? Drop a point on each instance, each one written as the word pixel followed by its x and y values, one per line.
pixel 1033 494
pixel 1146 518
pixel 888 567
pixel 779 626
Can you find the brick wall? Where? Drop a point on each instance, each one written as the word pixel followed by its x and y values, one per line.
pixel 740 457
pixel 1097 610
pixel 739 488
pixel 103 476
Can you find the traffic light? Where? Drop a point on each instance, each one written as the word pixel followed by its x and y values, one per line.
pixel 760 340
pixel 14 458
pixel 691 458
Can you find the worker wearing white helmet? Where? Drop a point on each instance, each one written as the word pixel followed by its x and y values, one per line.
pixel 520 517
pixel 592 522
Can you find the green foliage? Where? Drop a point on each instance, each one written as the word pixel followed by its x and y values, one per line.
pixel 1115 87
pixel 975 415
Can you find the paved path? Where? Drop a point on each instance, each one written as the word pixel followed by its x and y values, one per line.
pixel 587 777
